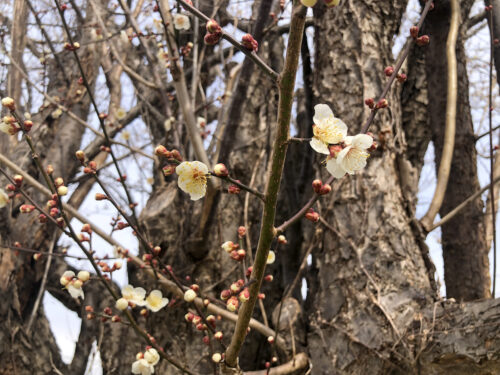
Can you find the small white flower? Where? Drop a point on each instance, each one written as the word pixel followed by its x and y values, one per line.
pixel 228 246
pixel 168 123
pixel 327 129
pixel 193 178
pixel 134 295
pixel 181 22
pixel 152 356
pixel 352 158
pixel 9 127
pixel 56 113
pixel 75 289
pixel 120 114
pixel 125 135
pixel 271 257
pixel 4 198
pixel 155 301
pixel 142 367
pixel 201 122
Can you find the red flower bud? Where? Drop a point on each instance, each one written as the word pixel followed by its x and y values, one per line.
pixel 211 39
pixel 100 197
pixel 401 77
pixel 213 27
pixel 325 189
pixel 383 103
pixel 414 32
pixel 423 40
pixel 388 71
pixel 317 184
pixel 220 170
pixel 370 103
pixel 249 42
pixel 242 231
pixel 168 170
pixel 312 216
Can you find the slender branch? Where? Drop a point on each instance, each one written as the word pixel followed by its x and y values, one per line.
pixel 252 55
pixel 492 161
pixel 267 232
pixel 96 109
pixel 451 112
pixel 298 362
pixel 462 205
pixel 399 63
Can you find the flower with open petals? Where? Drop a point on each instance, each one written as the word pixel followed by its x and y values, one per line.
pixel 134 295
pixel 271 257
pixel 181 22
pixel 155 301
pixel 75 289
pixel 193 178
pixel 120 114
pixel 142 367
pixel 352 158
pixel 151 355
pixel 327 129
pixel 4 198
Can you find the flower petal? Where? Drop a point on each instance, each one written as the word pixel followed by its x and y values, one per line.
pixel 362 141
pixel 319 146
pixel 322 112
pixel 335 168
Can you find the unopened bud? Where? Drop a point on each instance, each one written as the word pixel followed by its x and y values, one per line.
pixel 9 103
pixel 249 42
pixel 100 197
pixel 121 304
pixel 370 103
pixel 242 231
pixel 212 39
pixel 26 208
pixel 50 169
pixel 325 189
pixel 80 155
pixel 62 190
pixel 18 179
pixel 168 170
pixel 317 184
pixel 383 103
pixel 414 32
pixel 244 296
pixel 162 151
pixel 220 170
pixel 388 71
pixel 213 27
pixel 189 295
pixel 423 40
pixel 233 189
pixel 232 304
pixel 312 216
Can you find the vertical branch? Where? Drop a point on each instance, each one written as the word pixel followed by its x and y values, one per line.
pixel 267 231
pixel 492 160
pixel 18 42
pixel 451 115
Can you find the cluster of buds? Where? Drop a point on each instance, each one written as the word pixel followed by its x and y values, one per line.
pixel 74 283
pixel 186 50
pixel 312 216
pixel 389 71
pixel 9 125
pixel 420 40
pixel 90 168
pixel 214 33
pixel 320 188
pixel 71 47
pixel 26 208
pixel 197 321
pixel 173 156
pixel 62 190
pixel 249 42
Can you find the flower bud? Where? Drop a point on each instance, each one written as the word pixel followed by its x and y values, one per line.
pixel 18 179
pixel 59 181
pixel 228 246
pixel 10 187
pixel 401 77
pixel 93 165
pixel 242 231
pixel 107 311
pixel 62 190
pixel 197 320
pixel 9 103
pixel 213 27
pixel 233 189
pixel 423 40
pixel 370 103
pixel 189 295
pixel 225 294
pixel 26 208
pixel 269 278
pixel 249 42
pixel 116 319
pixel 220 170
pixel 162 151
pixel 325 189
pixel 388 71
pixel 244 295
pixel 28 124
pixel 317 184
pixel 282 239
pixel 216 357
pixel 270 340
pixel 168 170
pixel 383 103
pixel 212 39
pixel 232 304
pixel 100 197
pixel 77 283
pixel 42 219
pixel 189 317
pixel 195 287
pixel 414 32
pixel 83 276
pixel 249 271
pixel 261 296
pixel 218 335
pixel 80 155
pixel 271 257
pixel 176 155
pixel 312 216
pixel 121 304
pixel 50 169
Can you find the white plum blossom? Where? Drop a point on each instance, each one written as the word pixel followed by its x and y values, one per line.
pixel 4 198
pixel 142 367
pixel 181 22
pixel 152 356
pixel 201 122
pixel 75 288
pixel 120 114
pixel 134 295
pixel 155 301
pixel 327 129
pixel 352 158
pixel 193 178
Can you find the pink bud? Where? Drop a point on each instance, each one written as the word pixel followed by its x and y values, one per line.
pixel 317 184
pixel 414 32
pixel 249 42
pixel 370 103
pixel 423 40
pixel 213 27
pixel 220 170
pixel 388 71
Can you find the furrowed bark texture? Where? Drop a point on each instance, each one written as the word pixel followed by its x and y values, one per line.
pixel 56 141
pixel 465 250
pixel 368 279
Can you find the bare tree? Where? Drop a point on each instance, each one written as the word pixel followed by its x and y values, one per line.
pixel 138 106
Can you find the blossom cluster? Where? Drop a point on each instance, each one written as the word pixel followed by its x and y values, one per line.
pixel 145 362
pixel 73 284
pixel 346 154
pixel 137 297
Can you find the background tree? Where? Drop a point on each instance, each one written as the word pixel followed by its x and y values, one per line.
pixel 372 303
